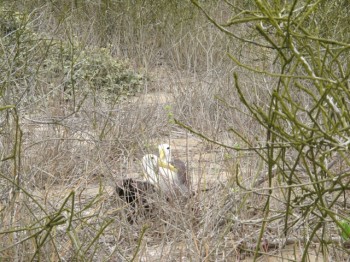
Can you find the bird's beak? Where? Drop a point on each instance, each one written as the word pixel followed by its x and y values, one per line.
pixel 166 165
pixel 161 154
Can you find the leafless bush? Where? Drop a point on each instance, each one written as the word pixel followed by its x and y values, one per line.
pixel 68 134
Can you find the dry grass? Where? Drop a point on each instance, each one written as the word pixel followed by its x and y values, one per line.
pixel 57 180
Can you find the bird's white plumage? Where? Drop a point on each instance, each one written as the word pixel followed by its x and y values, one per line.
pixel 167 176
pixel 150 165
pixel 164 153
pixel 161 180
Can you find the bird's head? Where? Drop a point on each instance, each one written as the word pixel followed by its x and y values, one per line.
pixel 164 153
pixel 149 162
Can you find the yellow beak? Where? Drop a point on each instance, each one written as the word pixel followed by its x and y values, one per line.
pixel 162 155
pixel 166 165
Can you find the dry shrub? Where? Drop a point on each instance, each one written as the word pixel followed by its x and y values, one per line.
pixel 73 81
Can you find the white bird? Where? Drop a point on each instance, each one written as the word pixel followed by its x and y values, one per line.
pixel 173 170
pixel 164 152
pixel 166 175
pixel 161 173
pixel 150 167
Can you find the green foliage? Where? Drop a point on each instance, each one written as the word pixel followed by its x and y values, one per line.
pixel 332 18
pixel 306 112
pixel 29 59
pixel 169 111
pixel 9 22
pixel 36 69
pixel 105 72
pixel 93 70
pixel 345 229
pixel 17 41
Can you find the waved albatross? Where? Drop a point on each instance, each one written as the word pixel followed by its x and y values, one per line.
pixel 164 173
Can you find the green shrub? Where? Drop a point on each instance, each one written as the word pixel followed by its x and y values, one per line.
pixel 344 229
pixel 304 112
pixel 93 70
pixel 30 60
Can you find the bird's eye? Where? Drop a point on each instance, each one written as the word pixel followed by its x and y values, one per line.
pixel 168 148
